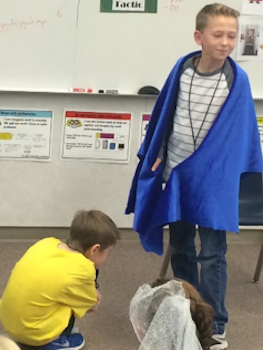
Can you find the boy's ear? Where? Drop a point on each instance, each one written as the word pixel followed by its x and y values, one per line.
pixel 92 250
pixel 198 37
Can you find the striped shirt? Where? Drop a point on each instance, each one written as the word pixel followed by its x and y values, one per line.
pixel 204 85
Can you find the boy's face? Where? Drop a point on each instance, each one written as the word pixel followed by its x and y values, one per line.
pixel 218 39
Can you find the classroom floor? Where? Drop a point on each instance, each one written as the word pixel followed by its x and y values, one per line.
pixel 130 266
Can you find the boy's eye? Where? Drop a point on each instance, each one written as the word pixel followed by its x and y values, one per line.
pixel 229 36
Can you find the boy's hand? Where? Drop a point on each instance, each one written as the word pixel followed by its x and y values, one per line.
pixel 156 164
pixel 95 307
pixel 98 296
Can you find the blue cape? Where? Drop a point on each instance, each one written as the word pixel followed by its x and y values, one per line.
pixel 204 188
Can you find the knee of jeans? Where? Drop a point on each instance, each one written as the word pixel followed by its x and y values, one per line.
pixel 213 250
pixel 212 254
pixel 183 251
pixel 182 246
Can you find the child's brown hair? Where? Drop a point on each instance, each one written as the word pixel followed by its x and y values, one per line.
pixel 92 227
pixel 213 10
pixel 201 312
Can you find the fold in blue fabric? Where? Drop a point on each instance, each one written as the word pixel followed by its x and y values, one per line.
pixel 204 188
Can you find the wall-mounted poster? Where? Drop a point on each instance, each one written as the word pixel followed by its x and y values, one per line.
pixel 250 39
pixel 145 123
pixel 100 136
pixel 25 134
pixel 260 129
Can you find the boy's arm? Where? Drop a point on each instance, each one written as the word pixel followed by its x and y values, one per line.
pixel 80 297
pixel 95 308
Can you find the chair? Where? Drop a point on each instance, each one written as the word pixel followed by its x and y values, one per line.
pixel 251 209
pixel 250 214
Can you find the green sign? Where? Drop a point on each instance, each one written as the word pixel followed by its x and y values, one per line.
pixel 145 6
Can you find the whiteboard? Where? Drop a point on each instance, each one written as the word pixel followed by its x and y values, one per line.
pixel 56 45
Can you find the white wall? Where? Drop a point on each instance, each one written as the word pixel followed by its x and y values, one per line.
pixel 48 194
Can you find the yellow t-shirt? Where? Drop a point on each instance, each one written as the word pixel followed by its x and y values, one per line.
pixel 46 286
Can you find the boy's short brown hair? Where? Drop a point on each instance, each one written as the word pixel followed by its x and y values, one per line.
pixel 213 10
pixel 93 227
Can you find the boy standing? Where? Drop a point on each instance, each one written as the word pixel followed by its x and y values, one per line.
pixel 202 136
pixel 54 282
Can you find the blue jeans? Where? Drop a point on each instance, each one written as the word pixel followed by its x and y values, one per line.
pixel 213 277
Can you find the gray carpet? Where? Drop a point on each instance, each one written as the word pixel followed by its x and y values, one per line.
pixel 130 266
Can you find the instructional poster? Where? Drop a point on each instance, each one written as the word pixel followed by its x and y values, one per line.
pixel 97 135
pixel 25 134
pixel 145 122
pixel 260 129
